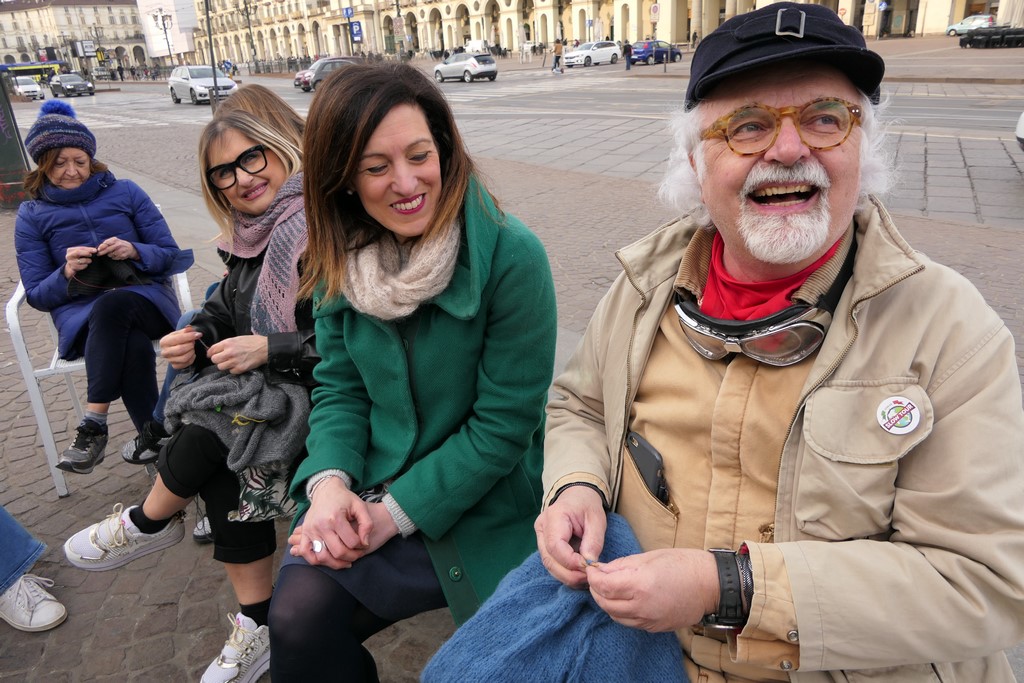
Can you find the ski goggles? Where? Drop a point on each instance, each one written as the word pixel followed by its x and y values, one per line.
pixel 785 338
pixel 782 339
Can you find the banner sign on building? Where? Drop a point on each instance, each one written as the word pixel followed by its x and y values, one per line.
pixel 85 48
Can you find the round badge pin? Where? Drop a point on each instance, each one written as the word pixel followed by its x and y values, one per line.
pixel 898 415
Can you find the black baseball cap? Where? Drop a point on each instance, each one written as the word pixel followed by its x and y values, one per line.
pixel 779 32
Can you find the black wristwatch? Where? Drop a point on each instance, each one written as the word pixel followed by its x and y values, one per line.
pixel 730 614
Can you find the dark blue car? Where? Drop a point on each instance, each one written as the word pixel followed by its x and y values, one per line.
pixel 654 52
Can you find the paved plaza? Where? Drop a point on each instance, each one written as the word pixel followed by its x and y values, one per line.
pixel 162 618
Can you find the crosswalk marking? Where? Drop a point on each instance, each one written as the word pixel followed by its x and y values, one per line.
pixel 514 83
pixel 523 83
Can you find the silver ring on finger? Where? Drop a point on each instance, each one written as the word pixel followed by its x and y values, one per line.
pixel 318 545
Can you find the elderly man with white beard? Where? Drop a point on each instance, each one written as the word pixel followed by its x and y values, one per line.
pixel 815 431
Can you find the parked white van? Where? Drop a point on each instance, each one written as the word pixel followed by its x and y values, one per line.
pixel 477 47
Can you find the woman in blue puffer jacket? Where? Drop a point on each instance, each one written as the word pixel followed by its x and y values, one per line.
pixel 95 253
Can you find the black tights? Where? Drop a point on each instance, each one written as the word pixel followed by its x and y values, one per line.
pixel 317 630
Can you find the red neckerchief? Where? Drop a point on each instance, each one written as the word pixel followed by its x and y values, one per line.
pixel 730 299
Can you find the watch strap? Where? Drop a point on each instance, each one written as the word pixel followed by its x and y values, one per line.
pixel 730 613
pixel 746 577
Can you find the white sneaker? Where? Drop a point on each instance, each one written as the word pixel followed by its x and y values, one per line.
pixel 202 534
pixel 28 607
pixel 116 541
pixel 246 654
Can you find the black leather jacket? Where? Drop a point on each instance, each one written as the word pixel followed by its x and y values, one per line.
pixel 291 355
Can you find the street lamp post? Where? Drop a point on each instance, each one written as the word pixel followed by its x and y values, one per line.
pixel 97 32
pixel 69 50
pixel 164 22
pixel 215 95
pixel 399 26
pixel 252 43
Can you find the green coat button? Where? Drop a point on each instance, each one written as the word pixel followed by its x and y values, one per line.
pixel 455 574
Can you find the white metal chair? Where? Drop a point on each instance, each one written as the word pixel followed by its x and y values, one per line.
pixel 58 367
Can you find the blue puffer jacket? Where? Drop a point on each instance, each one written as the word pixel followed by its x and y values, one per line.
pixel 101 207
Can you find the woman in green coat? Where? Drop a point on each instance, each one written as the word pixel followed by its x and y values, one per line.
pixel 435 320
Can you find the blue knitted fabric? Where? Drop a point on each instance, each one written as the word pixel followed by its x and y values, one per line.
pixel 535 629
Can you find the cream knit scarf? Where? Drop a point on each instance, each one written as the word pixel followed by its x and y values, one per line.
pixel 389 280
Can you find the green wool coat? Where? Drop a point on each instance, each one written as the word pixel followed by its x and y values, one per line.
pixel 449 404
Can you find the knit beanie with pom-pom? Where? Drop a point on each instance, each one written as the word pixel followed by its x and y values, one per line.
pixel 58 127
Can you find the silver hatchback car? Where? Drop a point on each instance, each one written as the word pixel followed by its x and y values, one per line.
pixel 196 83
pixel 26 86
pixel 467 66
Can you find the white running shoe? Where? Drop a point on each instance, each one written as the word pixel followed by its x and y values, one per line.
pixel 27 606
pixel 116 541
pixel 202 534
pixel 246 653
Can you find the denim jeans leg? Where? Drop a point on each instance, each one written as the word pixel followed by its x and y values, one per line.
pixel 165 389
pixel 18 550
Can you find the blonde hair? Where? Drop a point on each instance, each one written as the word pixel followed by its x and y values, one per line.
pixel 269 107
pixel 260 132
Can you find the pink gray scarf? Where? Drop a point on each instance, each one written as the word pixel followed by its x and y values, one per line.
pixel 281 232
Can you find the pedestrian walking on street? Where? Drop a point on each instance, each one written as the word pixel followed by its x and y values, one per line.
pixel 25 603
pixel 627 54
pixel 120 72
pixel 96 253
pixel 556 65
pixel 433 304
pixel 239 420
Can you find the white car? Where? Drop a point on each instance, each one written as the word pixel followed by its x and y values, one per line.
pixel 600 52
pixel 26 86
pixel 196 83
pixel 970 23
pixel 1020 131
pixel 467 66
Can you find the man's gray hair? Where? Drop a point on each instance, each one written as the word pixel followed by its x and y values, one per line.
pixel 680 188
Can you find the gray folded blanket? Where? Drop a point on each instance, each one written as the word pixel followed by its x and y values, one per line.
pixel 261 424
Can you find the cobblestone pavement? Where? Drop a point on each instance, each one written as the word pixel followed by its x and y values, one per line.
pixel 161 618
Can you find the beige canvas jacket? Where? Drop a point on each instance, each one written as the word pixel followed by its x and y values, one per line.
pixel 904 551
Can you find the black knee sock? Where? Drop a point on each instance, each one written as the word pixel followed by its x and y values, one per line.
pixel 258 612
pixel 145 524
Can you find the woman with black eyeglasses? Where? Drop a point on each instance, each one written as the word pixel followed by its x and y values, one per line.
pixel 238 412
